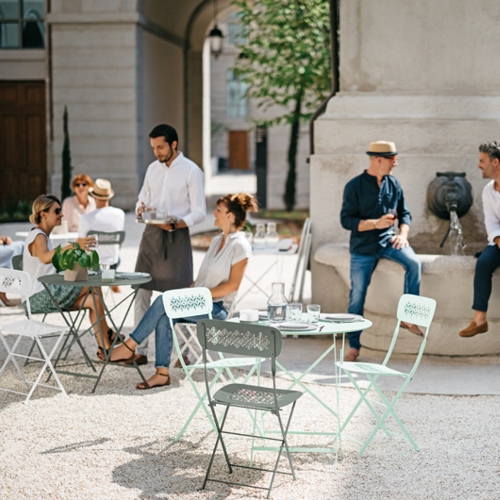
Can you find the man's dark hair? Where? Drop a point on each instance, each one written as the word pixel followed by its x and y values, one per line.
pixel 491 148
pixel 166 131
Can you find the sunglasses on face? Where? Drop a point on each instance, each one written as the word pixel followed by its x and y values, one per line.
pixel 82 184
pixel 57 211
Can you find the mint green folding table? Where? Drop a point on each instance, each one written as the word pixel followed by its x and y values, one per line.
pixel 335 330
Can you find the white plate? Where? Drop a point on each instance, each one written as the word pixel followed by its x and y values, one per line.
pixel 132 275
pixel 294 326
pixel 263 315
pixel 341 317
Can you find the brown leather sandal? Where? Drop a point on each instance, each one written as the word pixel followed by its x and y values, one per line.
pixel 124 360
pixel 142 386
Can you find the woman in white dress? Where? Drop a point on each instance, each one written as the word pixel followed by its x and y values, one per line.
pixel 221 272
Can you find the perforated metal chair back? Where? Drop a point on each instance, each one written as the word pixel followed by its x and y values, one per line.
pixel 187 302
pixel 109 238
pixel 17 282
pixel 240 339
pixel 416 310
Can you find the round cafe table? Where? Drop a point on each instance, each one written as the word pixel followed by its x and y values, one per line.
pixel 94 284
pixel 335 329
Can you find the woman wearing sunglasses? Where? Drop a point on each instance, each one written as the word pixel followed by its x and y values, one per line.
pixel 81 203
pixel 37 261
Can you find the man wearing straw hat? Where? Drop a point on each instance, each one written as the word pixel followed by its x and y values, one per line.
pixel 104 218
pixel 372 203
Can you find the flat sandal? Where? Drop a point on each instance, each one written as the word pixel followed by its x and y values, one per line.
pixel 120 361
pixel 147 386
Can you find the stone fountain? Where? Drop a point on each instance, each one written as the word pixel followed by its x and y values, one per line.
pixel 399 62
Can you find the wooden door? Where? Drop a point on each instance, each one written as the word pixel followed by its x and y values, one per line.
pixel 23 160
pixel 238 150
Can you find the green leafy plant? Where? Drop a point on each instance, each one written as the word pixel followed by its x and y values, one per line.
pixel 285 60
pixel 67 259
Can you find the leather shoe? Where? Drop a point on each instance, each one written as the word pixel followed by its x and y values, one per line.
pixel 352 354
pixel 473 329
pixel 411 328
pixel 140 359
pixel 186 361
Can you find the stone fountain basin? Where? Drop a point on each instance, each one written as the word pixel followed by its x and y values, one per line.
pixel 447 279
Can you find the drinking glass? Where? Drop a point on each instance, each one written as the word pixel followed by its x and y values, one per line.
pixel 95 244
pixel 393 212
pixel 313 311
pixel 295 311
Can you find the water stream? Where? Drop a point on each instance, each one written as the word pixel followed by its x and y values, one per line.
pixel 455 237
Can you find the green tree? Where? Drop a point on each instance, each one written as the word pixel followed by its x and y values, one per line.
pixel 66 160
pixel 285 59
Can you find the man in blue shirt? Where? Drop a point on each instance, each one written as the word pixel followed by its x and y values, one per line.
pixel 372 203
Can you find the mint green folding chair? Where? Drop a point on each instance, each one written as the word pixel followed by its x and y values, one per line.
pixel 411 309
pixel 256 340
pixel 192 302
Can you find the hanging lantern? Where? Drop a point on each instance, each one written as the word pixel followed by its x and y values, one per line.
pixel 215 36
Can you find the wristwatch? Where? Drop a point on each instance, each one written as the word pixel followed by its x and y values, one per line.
pixel 172 226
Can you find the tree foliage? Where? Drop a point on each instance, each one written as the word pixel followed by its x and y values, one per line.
pixel 66 160
pixel 285 59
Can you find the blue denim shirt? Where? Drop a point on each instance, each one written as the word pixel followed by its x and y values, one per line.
pixel 363 199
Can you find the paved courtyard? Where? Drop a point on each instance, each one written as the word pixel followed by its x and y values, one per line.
pixel 118 442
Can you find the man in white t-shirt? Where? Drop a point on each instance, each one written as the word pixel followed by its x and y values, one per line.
pixel 489 260
pixel 104 218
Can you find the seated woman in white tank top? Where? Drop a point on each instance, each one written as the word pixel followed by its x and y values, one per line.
pixel 221 272
pixel 37 261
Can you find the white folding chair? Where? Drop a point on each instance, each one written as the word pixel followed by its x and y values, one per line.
pixel 19 282
pixel 412 309
pixel 189 302
pixel 188 340
pixel 302 262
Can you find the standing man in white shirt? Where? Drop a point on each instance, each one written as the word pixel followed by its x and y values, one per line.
pixel 489 260
pixel 174 185
pixel 104 218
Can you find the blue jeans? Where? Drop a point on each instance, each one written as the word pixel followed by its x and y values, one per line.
pixel 486 264
pixel 157 319
pixel 362 267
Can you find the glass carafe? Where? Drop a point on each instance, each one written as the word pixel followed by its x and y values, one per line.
pixel 259 239
pixel 272 238
pixel 277 304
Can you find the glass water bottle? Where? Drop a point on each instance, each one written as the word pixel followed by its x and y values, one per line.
pixel 259 239
pixel 272 238
pixel 277 304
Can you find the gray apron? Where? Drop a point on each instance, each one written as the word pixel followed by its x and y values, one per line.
pixel 167 256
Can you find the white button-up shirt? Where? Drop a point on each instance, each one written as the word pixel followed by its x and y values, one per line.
pixel 177 190
pixel 491 208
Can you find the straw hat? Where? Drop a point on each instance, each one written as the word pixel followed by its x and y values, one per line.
pixel 382 148
pixel 102 190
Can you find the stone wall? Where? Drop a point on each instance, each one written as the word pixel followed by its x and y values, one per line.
pixel 421 74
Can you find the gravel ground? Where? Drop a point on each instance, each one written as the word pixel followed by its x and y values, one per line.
pixel 118 443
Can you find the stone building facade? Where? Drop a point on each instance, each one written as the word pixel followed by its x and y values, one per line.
pixel 120 67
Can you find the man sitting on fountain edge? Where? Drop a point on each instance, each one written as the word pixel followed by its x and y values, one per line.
pixel 489 260
pixel 372 203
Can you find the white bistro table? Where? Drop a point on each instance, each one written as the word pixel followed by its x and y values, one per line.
pixel 333 329
pixel 276 263
pixel 53 236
